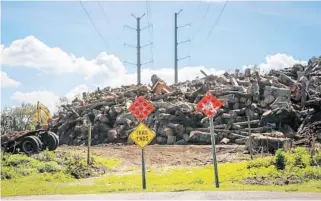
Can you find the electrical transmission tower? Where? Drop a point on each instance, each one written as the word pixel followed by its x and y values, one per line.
pixel 176 45
pixel 138 47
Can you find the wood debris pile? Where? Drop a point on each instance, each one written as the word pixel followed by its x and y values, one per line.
pixel 278 109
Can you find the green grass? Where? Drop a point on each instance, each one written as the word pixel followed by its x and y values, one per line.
pixel 46 164
pixel 300 171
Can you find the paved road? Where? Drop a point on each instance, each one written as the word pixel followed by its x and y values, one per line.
pixel 188 195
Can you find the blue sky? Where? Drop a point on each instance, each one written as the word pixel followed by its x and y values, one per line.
pixel 246 33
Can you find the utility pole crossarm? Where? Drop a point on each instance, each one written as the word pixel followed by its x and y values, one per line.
pixel 184 58
pixel 146 27
pixel 126 26
pixel 184 26
pixel 185 41
pixel 128 45
pixel 148 62
pixel 147 45
pixel 133 15
pixel 130 63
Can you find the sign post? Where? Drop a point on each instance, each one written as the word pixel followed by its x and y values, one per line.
pixel 250 137
pixel 89 144
pixel 143 170
pixel 142 135
pixel 209 105
pixel 214 152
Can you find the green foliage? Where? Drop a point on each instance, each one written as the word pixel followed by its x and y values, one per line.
pixel 46 156
pixel 284 168
pixel 259 174
pixel 18 160
pixel 312 173
pixel 81 170
pixel 298 157
pixel 18 118
pixel 7 173
pixel 16 166
pixel 260 162
pixel 280 159
pixel 316 159
pixel 50 167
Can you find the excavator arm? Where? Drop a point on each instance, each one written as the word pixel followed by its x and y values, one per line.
pixel 41 107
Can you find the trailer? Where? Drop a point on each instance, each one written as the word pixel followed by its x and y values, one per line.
pixel 29 142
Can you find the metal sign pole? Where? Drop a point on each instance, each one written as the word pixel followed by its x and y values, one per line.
pixel 142 135
pixel 143 170
pixel 214 152
pixel 250 137
pixel 89 143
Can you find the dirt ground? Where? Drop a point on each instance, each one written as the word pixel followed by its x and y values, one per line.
pixel 157 156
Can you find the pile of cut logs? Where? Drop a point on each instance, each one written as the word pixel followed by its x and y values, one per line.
pixel 279 109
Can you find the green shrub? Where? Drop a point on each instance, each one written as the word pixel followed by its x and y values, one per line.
pixel 280 159
pixel 80 169
pixel 16 160
pixel 7 173
pixel 10 172
pixel 312 173
pixel 298 157
pixel 53 163
pixel 45 156
pixel 260 162
pixel 316 159
pixel 23 171
pixel 50 167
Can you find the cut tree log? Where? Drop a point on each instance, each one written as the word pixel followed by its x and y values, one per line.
pixel 171 140
pixel 269 144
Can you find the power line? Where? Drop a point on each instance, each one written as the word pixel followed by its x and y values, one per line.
pixel 149 15
pixel 204 16
pixel 198 6
pixel 196 11
pixel 105 16
pixel 207 9
pixel 218 18
pixel 148 11
pixel 92 22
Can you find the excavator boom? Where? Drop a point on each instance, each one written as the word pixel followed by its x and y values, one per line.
pixel 41 107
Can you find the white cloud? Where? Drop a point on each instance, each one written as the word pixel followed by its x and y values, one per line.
pixel 107 70
pixel 77 91
pixel 104 70
pixel 32 53
pixel 47 98
pixel 6 81
pixel 276 62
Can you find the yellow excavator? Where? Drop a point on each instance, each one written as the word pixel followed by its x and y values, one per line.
pixel 45 125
